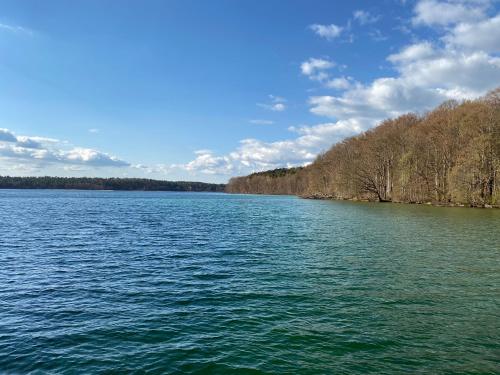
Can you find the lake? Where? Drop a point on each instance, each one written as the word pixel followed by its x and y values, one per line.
pixel 160 282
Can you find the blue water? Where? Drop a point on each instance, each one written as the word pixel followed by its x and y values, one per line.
pixel 158 282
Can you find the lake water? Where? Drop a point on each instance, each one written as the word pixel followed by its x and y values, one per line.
pixel 158 282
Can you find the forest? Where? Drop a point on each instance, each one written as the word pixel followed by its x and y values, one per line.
pixel 448 156
pixel 89 183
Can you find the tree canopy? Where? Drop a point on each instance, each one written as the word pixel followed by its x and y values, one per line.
pixel 91 183
pixel 450 155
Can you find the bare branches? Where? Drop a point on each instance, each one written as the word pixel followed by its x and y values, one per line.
pixel 450 155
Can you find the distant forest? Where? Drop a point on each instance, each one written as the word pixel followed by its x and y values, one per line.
pixel 448 156
pixel 89 183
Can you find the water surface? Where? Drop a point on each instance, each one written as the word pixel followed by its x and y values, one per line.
pixel 158 282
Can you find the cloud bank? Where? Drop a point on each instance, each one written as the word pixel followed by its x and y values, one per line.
pixel 32 152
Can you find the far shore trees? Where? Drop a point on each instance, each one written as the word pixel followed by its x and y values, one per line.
pixel 95 183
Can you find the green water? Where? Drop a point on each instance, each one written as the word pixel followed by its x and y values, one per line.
pixel 144 282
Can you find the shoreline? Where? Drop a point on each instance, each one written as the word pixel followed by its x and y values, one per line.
pixel 433 204
pixel 112 190
pixel 359 200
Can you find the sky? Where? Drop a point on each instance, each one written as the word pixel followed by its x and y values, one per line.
pixel 208 90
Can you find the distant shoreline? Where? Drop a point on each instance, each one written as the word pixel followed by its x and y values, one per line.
pixel 114 190
pixel 106 184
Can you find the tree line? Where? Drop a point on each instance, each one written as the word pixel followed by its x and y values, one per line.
pixel 450 155
pixel 90 183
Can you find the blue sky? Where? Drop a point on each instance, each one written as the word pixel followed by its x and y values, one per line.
pixel 206 90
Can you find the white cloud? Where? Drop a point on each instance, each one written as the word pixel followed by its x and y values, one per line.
pixel 159 169
pixel 412 52
pixel 261 122
pixel 94 131
pixel 473 73
pixel 7 136
pixel 206 162
pixel 328 32
pixel 28 142
pixel 364 17
pixel 484 35
pixel 275 107
pixel 79 155
pixel 75 168
pixel 421 84
pixel 276 104
pixel 255 155
pixel 37 151
pixel 427 73
pixel 279 107
pixel 316 69
pixel 444 13
pixel 312 66
pixel 340 83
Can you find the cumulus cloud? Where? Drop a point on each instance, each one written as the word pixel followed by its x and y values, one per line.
pixel 412 52
pixel 312 66
pixel 444 13
pixel 256 155
pixel 340 83
pixel 24 150
pixel 206 162
pixel 328 32
pixel 484 35
pixel 421 85
pixel 463 64
pixel 92 157
pixel 28 142
pixel 275 104
pixel 317 69
pixel 473 73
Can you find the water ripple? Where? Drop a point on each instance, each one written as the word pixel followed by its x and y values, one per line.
pixel 145 282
